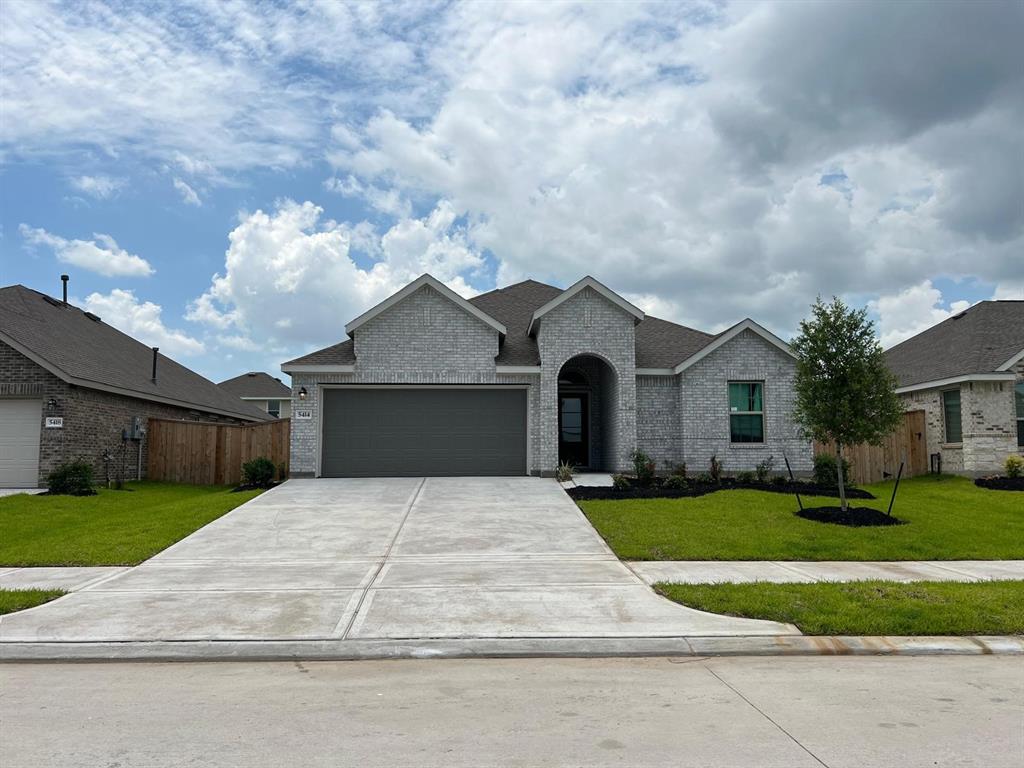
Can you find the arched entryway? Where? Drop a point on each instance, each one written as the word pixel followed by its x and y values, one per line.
pixel 587 397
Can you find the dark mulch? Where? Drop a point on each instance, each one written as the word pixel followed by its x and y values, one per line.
pixel 1001 483
pixel 250 487
pixel 656 491
pixel 855 517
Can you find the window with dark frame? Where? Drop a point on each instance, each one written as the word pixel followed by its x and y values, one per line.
pixel 746 411
pixel 951 416
pixel 1018 396
pixel 274 408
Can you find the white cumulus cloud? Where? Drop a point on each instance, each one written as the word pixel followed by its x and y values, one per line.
pixel 141 320
pixel 101 254
pixel 912 310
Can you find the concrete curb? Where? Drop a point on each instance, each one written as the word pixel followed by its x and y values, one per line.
pixel 575 647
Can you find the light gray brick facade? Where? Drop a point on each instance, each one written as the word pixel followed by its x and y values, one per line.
pixel 426 339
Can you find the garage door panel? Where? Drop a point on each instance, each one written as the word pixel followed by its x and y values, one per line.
pixel 401 432
pixel 19 443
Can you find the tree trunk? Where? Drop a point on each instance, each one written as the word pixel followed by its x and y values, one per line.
pixel 839 471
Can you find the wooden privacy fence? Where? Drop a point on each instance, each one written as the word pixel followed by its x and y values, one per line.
pixel 872 463
pixel 204 453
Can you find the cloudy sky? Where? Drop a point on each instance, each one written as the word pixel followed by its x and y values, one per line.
pixel 234 181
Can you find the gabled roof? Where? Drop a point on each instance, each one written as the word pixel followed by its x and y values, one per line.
pixel 81 349
pixel 577 287
pixel 731 333
pixel 256 384
pixel 988 338
pixel 411 288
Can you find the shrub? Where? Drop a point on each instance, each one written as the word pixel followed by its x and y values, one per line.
pixel 643 467
pixel 764 468
pixel 825 470
pixel 704 478
pixel 675 483
pixel 282 471
pixel 745 478
pixel 715 470
pixel 259 472
pixel 780 480
pixel 73 478
pixel 1014 466
pixel 676 470
pixel 620 481
pixel 563 472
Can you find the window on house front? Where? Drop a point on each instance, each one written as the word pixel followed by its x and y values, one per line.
pixel 274 408
pixel 1019 397
pixel 951 415
pixel 746 411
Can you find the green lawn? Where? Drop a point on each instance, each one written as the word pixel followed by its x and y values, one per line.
pixel 868 607
pixel 949 518
pixel 111 528
pixel 12 600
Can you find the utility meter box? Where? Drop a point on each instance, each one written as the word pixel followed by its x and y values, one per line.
pixel 137 431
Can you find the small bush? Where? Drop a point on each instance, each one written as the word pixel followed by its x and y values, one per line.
pixel 1014 466
pixel 764 468
pixel 563 472
pixel 643 467
pixel 676 470
pixel 259 472
pixel 745 478
pixel 825 470
pixel 282 471
pixel 620 481
pixel 780 480
pixel 73 478
pixel 675 483
pixel 705 478
pixel 715 470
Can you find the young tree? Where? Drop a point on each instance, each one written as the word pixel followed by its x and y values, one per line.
pixel 845 393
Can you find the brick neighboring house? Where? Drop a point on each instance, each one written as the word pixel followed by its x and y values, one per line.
pixel 967 374
pixel 517 379
pixel 72 387
pixel 263 391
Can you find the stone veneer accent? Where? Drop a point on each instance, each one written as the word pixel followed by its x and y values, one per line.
pixel 93 420
pixel 988 419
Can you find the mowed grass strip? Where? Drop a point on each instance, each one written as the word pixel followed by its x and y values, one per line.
pixel 12 600
pixel 111 528
pixel 867 607
pixel 949 518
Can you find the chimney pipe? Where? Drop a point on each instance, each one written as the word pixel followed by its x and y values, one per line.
pixel 155 350
pixel 64 279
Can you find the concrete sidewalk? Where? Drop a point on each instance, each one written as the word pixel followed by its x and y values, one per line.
pixel 69 579
pixel 784 572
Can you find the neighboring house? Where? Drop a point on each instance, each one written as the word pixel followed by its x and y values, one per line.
pixel 967 374
pixel 515 380
pixel 72 387
pixel 263 391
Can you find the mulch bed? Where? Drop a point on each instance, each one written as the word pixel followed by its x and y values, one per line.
pixel 1001 483
pixel 245 487
pixel 656 491
pixel 855 517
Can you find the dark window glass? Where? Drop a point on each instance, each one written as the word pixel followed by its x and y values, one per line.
pixel 746 411
pixel 572 420
pixel 951 415
pixel 1019 396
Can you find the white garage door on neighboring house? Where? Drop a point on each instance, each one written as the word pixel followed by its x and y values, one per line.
pixel 19 443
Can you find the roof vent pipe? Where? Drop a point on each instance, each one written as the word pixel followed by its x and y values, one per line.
pixel 155 350
pixel 64 279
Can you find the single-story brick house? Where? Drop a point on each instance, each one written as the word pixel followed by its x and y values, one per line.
pixel 967 374
pixel 269 394
pixel 74 388
pixel 515 380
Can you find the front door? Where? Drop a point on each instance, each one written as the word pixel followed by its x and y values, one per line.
pixel 573 437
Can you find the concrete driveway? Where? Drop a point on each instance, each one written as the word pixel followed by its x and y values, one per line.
pixel 397 558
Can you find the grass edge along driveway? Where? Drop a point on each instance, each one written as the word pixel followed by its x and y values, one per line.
pixel 949 518
pixel 867 607
pixel 112 528
pixel 12 600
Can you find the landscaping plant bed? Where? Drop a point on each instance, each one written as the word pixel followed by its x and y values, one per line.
pixel 1001 483
pixel 694 488
pixel 855 517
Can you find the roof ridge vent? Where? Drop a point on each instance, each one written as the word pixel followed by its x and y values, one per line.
pixel 91 316
pixel 51 300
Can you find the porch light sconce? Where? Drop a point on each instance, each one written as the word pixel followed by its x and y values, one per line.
pixel 51 404
pixel 303 393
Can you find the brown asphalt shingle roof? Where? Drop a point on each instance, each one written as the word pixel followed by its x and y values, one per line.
pixel 978 340
pixel 84 350
pixel 256 384
pixel 659 343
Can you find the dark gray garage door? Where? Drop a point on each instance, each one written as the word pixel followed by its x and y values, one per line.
pixel 397 432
